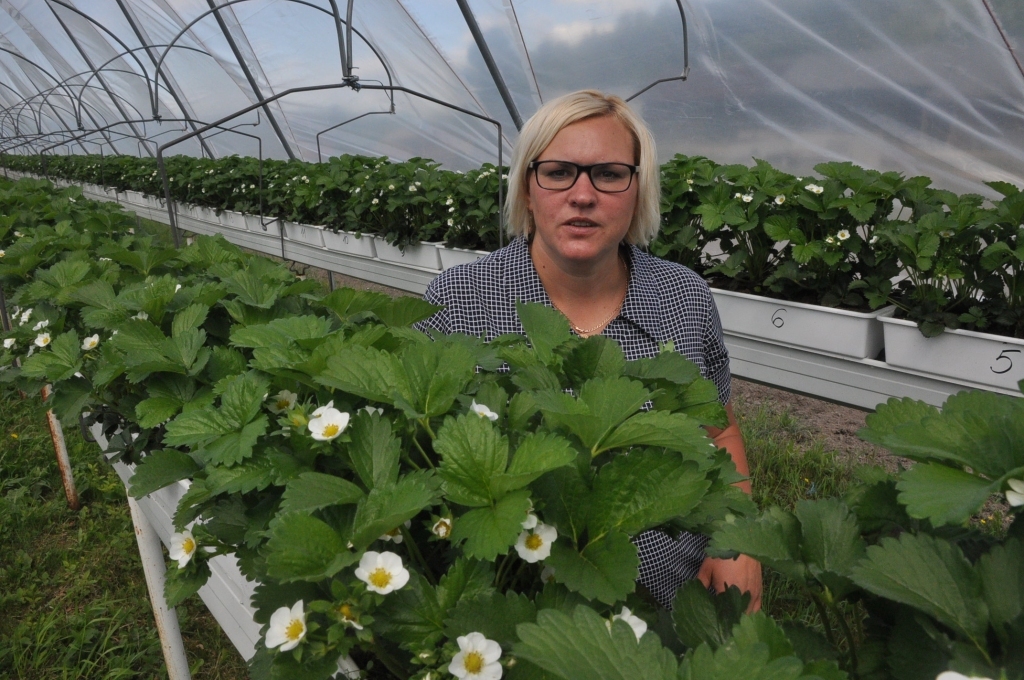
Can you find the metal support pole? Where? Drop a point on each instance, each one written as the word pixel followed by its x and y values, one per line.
pixel 485 51
pixel 152 554
pixel 167 81
pixel 252 81
pixel 60 448
pixel 106 88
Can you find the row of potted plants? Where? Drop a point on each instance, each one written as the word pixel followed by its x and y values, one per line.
pixel 401 500
pixel 851 238
pixel 856 240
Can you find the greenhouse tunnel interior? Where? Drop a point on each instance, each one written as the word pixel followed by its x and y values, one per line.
pixel 923 87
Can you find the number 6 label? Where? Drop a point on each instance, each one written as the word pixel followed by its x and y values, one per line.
pixel 777 319
pixel 1006 361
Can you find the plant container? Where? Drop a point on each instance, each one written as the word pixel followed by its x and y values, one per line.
pixel 453 256
pixel 857 335
pixel 980 358
pixel 309 234
pixel 422 254
pixel 350 243
pixel 232 220
pixel 265 225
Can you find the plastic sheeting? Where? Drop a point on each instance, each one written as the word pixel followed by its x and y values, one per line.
pixel 922 86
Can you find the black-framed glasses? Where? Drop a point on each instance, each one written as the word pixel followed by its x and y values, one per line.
pixel 608 178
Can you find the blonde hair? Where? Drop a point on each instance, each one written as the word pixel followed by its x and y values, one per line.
pixel 548 121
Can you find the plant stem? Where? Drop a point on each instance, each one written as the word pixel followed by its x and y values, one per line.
pixel 823 615
pixel 849 637
pixel 425 422
pixel 501 568
pixel 414 550
pixel 422 452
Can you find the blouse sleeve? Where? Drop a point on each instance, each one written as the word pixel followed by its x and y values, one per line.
pixel 716 355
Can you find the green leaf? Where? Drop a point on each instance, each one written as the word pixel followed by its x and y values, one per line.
pixel 546 328
pixel 666 365
pixel 242 398
pixel 566 501
pixel 758 650
pixel 1002 581
pixel 70 398
pixel 830 541
pixel 347 302
pixel 281 331
pixel 314 490
pixel 700 617
pixel 581 647
pixel 675 431
pixel 235 446
pixel 195 426
pixel 773 539
pixel 362 371
pixel 490 531
pixel 596 357
pixel 930 575
pixel 893 413
pixel 603 404
pixel 405 311
pixel 182 584
pixel 156 411
pixel 252 290
pixel 433 374
pixel 492 614
pixel 160 468
pixel 192 317
pixel 941 494
pixel 536 455
pixel 386 507
pixel 644 489
pixel 374 451
pixel 303 548
pixel 605 570
pixel 473 453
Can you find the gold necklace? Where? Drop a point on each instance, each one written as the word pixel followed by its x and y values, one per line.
pixel 618 308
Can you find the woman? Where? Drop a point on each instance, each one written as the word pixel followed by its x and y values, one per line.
pixel 584 193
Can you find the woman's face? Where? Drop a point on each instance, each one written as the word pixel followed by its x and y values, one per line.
pixel 582 224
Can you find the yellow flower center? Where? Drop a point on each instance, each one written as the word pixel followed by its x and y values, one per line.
pixel 331 430
pixel 534 542
pixel 282 404
pixel 188 546
pixel 345 611
pixel 394 532
pixel 474 662
pixel 380 577
pixel 294 630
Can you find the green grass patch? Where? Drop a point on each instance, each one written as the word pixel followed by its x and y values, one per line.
pixel 72 589
pixel 787 465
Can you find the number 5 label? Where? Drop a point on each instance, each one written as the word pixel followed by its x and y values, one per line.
pixel 1004 362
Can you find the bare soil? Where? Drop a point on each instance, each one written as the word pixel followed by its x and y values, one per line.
pixel 834 426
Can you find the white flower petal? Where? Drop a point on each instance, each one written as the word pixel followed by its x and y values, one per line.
pixel 482 411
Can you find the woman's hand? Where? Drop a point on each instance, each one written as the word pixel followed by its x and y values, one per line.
pixel 744 572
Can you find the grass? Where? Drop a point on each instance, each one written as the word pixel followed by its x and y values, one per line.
pixel 788 465
pixel 72 592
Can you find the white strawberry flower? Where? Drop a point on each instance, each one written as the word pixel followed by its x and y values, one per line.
pixel 953 675
pixel 747 198
pixel 1015 494
pixel 42 340
pixel 395 534
pixel 442 528
pixel 25 316
pixel 375 201
pixel 814 188
pixel 449 201
pixel 2 253
pixel 638 625
pixel 9 343
pixel 534 545
pixel 451 222
pixel 141 316
pixel 287 628
pixel 843 235
pixel 530 522
pixel 374 409
pixel 92 342
pixel 482 411
pixel 348 617
pixel 874 240
pixel 830 240
pixel 780 199
pixel 382 572
pixel 327 423
pixel 41 325
pixel 547 574
pixel 412 187
pixel 391 187
pixel 183 547
pixel 946 233
pixel 477 658
pixel 283 401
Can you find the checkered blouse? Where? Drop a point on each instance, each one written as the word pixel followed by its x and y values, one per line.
pixel 664 302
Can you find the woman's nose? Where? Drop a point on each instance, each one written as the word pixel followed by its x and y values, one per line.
pixel 583 191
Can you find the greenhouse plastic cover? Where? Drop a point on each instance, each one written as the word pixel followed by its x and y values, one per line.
pixel 932 87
